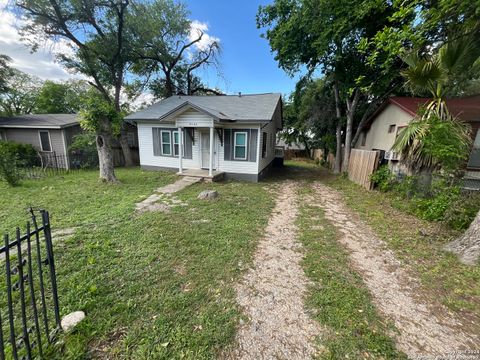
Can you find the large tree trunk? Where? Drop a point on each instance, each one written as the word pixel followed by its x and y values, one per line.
pixel 338 132
pixel 467 246
pixel 123 139
pixel 127 152
pixel 351 107
pixel 338 156
pixel 104 149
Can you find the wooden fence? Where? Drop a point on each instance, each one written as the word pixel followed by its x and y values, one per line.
pixel 362 164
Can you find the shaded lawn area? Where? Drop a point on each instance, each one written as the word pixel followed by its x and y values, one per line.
pixel 419 243
pixel 156 285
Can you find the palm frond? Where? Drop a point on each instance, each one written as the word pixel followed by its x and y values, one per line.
pixel 421 74
pixel 458 56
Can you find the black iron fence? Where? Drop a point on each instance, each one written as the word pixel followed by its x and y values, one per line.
pixel 29 315
pixel 52 164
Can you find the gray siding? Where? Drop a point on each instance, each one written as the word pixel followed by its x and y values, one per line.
pixel 30 136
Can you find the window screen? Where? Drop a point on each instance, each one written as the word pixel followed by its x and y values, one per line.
pixel 45 141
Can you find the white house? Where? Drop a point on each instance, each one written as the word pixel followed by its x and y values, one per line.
pixel 395 114
pixel 221 136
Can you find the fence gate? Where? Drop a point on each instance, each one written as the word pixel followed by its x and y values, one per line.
pixel 361 165
pixel 29 316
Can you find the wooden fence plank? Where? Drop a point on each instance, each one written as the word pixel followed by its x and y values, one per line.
pixel 362 164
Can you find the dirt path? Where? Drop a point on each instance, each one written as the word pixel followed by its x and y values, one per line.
pixel 271 292
pixel 423 328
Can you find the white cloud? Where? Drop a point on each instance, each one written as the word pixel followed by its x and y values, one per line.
pixel 196 29
pixel 41 63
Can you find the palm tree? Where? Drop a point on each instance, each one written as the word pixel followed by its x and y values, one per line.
pixel 434 74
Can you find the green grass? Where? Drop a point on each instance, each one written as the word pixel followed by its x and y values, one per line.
pixel 157 285
pixel 338 298
pixel 418 243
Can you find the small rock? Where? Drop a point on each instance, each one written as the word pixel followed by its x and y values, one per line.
pixel 71 320
pixel 208 195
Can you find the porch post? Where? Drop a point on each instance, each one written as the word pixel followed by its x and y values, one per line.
pixel 210 165
pixel 180 150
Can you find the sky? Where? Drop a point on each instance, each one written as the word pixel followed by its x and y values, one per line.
pixel 246 63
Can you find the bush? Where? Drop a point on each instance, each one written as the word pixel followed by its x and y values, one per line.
pixel 25 153
pixel 462 211
pixel 9 166
pixel 14 157
pixel 383 178
pixel 83 151
pixel 434 204
pixel 442 200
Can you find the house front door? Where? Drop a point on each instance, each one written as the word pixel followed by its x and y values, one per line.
pixel 205 149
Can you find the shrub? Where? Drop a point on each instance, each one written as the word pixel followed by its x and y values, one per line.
pixel 25 153
pixel 462 211
pixel 14 157
pixel 83 151
pixel 383 178
pixel 9 166
pixel 434 204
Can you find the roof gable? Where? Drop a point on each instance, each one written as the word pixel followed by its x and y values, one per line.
pixel 259 107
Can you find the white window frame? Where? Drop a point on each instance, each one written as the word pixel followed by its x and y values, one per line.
pixel 169 143
pixel 235 157
pixel 183 142
pixel 49 140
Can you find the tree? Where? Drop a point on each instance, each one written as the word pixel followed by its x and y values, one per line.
pixel 97 33
pixel 5 72
pixel 309 115
pixel 97 112
pixel 433 74
pixel 60 98
pixel 329 35
pixel 435 139
pixel 172 55
pixel 20 94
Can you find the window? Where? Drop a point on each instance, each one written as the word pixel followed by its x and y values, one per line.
pixel 2 135
pixel 166 143
pixel 176 143
pixel 240 146
pixel 264 144
pixel 45 143
pixel 364 138
pixel 391 128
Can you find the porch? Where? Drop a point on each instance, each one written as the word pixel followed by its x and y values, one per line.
pixel 202 173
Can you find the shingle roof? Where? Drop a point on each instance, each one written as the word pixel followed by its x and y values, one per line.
pixel 53 121
pixel 258 107
pixel 466 109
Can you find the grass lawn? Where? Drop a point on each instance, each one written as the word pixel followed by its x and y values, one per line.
pixel 157 285
pixel 418 243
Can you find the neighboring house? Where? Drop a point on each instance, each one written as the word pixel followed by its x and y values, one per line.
pixel 231 136
pixel 52 134
pixel 396 113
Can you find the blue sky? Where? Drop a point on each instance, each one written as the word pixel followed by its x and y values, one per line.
pixel 246 61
